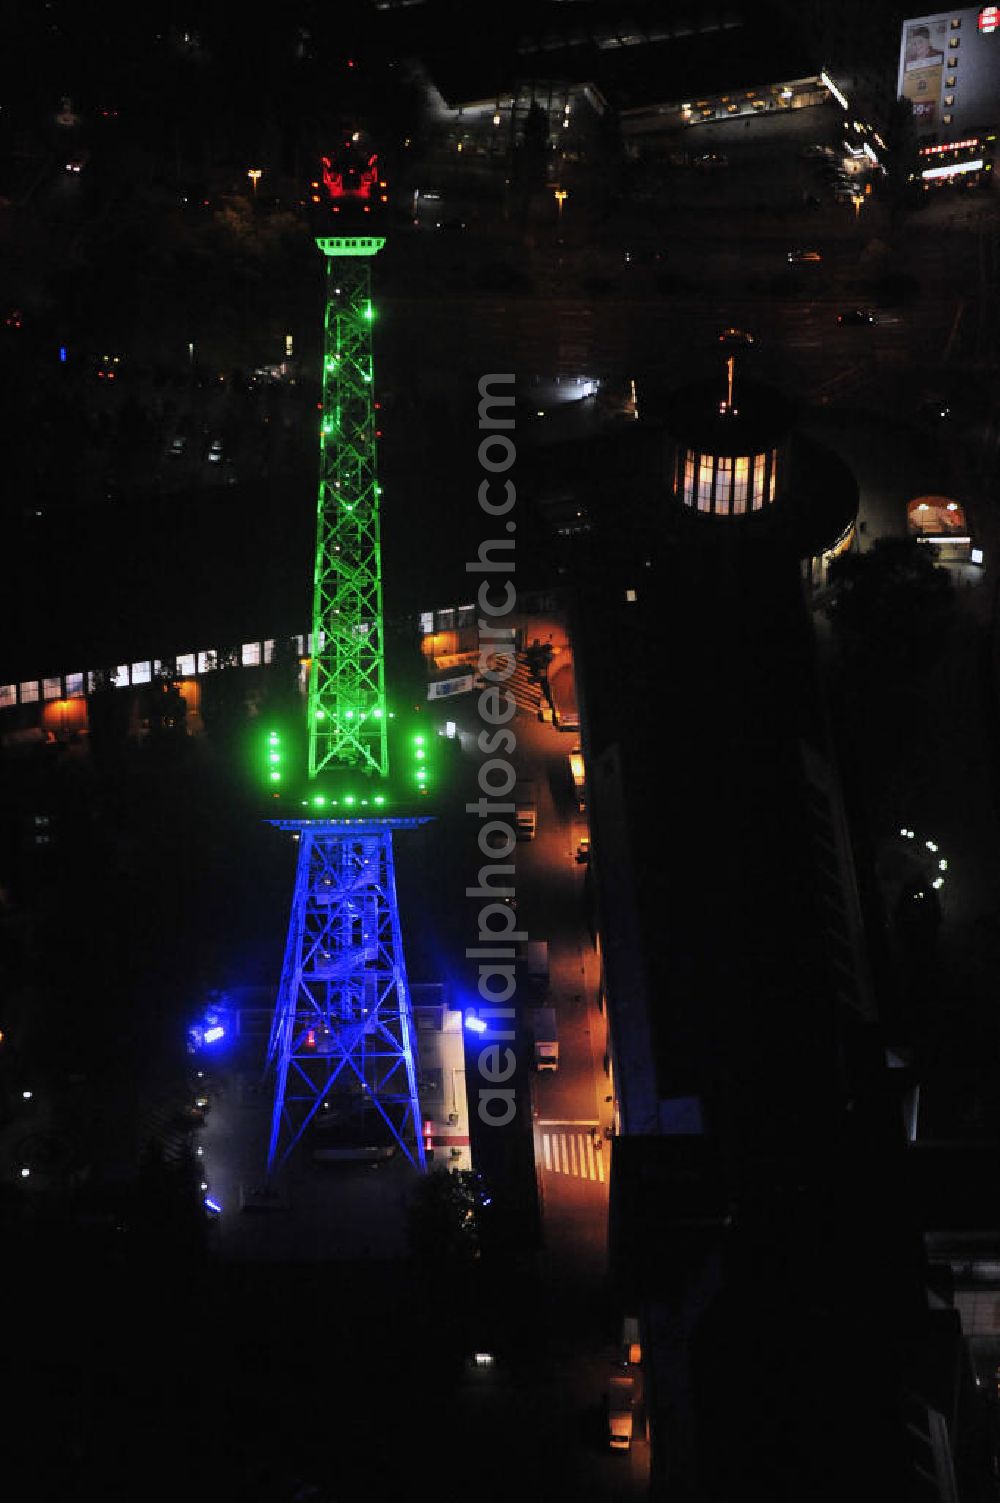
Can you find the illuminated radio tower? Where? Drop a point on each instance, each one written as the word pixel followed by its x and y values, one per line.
pixel 342 1040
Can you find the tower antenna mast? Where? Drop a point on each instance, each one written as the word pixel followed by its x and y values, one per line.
pixel 342 1044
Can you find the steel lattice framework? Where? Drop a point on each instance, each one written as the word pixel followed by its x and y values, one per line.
pixel 342 1038
pixel 347 718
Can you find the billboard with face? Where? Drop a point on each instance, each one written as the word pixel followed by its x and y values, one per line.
pixel 949 65
pixel 922 69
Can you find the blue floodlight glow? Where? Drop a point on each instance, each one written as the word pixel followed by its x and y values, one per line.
pixel 62 354
pixel 211 1028
pixel 474 1024
pixel 212 1205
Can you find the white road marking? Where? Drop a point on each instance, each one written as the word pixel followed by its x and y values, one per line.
pixel 573 1153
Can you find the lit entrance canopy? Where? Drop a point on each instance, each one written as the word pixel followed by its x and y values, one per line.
pixel 936 516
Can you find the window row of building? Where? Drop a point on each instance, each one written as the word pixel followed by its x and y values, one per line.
pixel 726 485
pixel 184 665
pixel 188 665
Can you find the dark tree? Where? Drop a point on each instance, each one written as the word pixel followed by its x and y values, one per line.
pixel 443 1225
pixel 281 695
pixel 109 711
pixel 224 708
pixel 903 163
pixel 165 710
pixel 538 657
pixel 893 607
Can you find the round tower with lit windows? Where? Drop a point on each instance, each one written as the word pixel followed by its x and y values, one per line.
pixel 741 466
pixel 729 456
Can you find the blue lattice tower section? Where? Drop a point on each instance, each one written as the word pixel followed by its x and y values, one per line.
pixel 342 1049
pixel 342 1044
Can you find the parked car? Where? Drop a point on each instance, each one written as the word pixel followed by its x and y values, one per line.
pixel 935 407
pixel 215 451
pixel 857 316
pixel 732 338
pixel 796 257
pixel 78 161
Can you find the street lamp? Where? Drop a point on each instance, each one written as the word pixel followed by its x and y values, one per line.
pixel 561 195
pixel 255 174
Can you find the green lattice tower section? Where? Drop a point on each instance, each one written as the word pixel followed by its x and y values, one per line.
pixel 347 707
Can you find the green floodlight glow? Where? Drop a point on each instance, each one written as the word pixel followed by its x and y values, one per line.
pixel 270 757
pixel 349 669
pixel 349 798
pixel 418 740
pixel 421 755
pixel 319 801
pixel 378 799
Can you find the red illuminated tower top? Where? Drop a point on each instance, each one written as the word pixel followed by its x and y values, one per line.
pixel 350 181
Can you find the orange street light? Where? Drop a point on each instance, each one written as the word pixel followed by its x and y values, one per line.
pixel 255 174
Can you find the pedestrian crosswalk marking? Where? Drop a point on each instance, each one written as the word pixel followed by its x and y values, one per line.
pixel 525 690
pixel 572 1153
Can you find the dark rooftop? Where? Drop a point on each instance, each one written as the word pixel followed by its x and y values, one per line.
pixel 759 418
pixel 646 53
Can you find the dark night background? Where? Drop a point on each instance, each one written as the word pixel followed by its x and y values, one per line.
pixel 142 299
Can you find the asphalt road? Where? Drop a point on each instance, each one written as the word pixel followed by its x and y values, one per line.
pixel 578 1320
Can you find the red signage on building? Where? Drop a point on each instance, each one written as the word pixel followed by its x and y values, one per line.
pixel 989 18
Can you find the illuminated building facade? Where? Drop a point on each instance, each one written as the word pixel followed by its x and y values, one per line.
pixel 730 447
pixel 737 466
pixel 875 52
pixel 727 485
pixel 966 163
pixel 949 63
